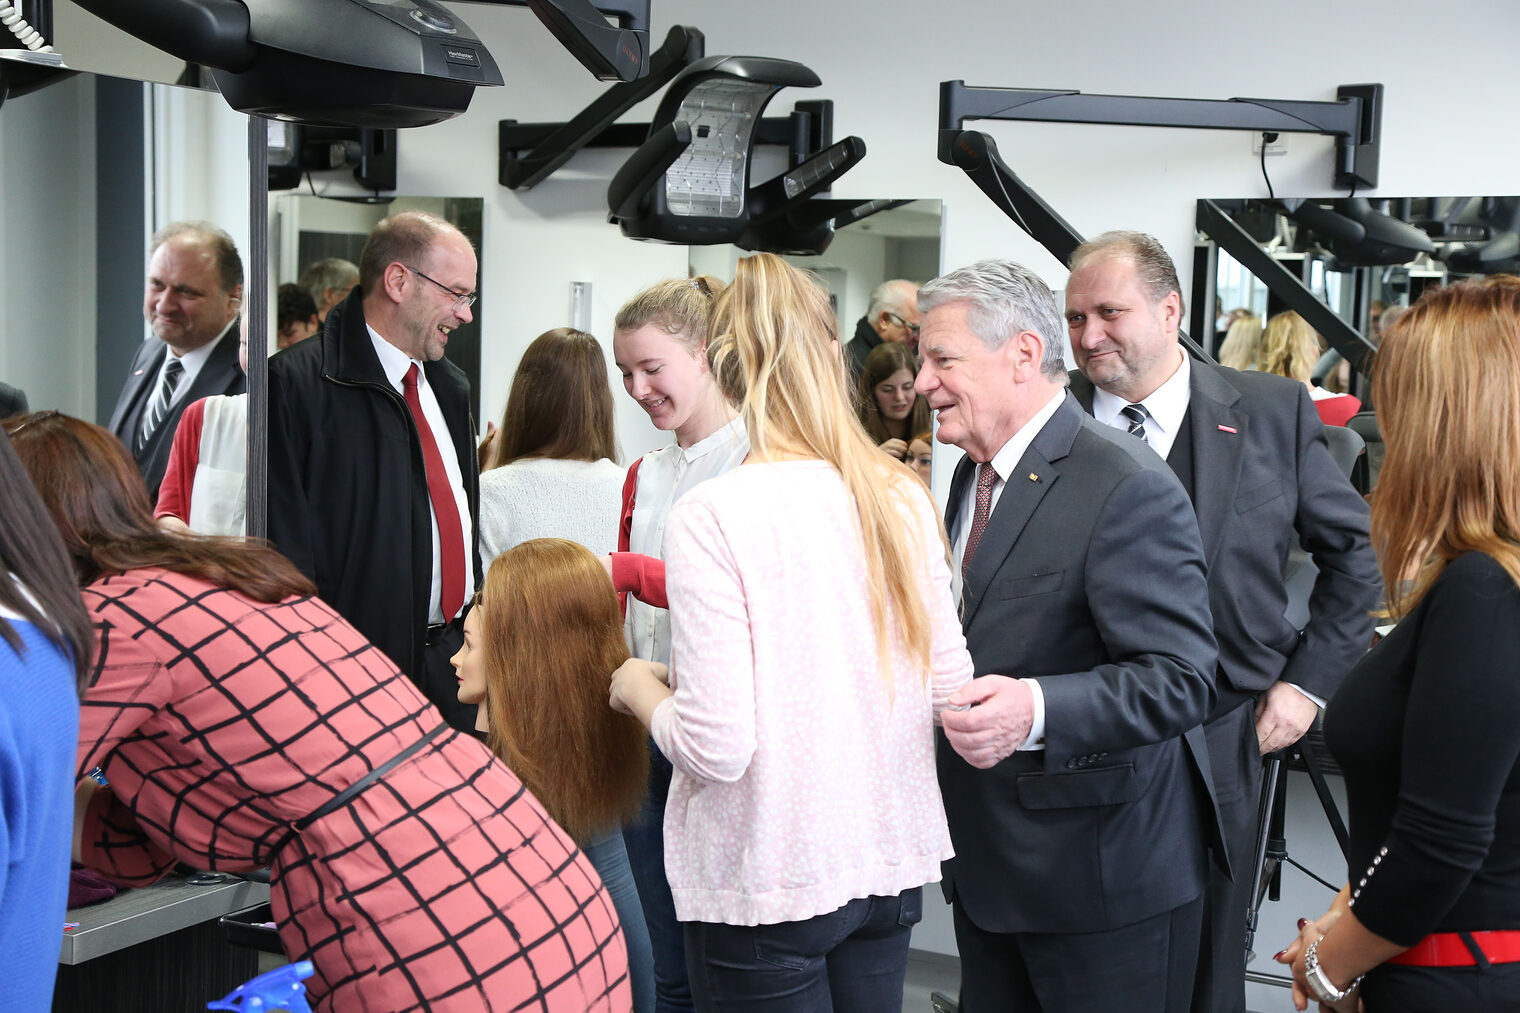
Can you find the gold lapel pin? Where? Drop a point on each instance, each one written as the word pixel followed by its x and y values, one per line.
pixel 1033 477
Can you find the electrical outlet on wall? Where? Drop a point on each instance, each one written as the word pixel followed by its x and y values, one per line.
pixel 1278 146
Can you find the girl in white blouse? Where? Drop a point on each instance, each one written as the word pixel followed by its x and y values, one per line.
pixel 660 344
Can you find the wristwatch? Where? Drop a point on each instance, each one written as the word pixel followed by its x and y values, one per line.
pixel 1320 986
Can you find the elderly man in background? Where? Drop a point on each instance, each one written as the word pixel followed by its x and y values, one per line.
pixel 891 316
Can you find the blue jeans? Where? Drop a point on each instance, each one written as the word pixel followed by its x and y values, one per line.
pixel 852 960
pixel 645 838
pixel 610 860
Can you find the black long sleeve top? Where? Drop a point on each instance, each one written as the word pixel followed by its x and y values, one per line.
pixel 1427 730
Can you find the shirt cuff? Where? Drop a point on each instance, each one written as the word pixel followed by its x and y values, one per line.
pixel 1316 700
pixel 1036 739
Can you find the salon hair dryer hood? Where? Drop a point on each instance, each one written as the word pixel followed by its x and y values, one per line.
pixel 363 63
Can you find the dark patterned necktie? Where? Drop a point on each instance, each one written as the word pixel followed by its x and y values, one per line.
pixel 173 370
pixel 986 477
pixel 1135 414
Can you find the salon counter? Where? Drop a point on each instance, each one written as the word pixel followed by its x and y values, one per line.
pixel 156 948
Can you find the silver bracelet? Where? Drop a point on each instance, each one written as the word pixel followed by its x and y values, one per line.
pixel 1320 985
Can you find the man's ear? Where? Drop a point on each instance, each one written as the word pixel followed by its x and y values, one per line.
pixel 1024 351
pixel 394 280
pixel 1170 309
pixel 234 297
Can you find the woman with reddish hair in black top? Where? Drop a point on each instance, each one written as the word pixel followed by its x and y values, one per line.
pixel 1427 726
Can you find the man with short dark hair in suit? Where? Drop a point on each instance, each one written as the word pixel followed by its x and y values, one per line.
pixel 191 300
pixel 1078 809
pixel 1250 450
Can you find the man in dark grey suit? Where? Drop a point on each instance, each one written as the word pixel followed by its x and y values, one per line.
pixel 1079 813
pixel 193 294
pixel 1250 450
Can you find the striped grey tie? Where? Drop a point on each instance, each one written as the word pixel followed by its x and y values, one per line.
pixel 1135 414
pixel 160 406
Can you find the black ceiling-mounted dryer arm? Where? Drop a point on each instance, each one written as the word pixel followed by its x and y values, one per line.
pixel 682 47
pixel 610 53
pixel 1215 223
pixel 1354 119
pixel 977 154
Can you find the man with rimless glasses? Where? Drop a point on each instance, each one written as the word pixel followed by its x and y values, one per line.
pixel 891 315
pixel 373 483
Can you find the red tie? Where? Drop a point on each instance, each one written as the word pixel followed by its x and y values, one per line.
pixel 986 477
pixel 450 531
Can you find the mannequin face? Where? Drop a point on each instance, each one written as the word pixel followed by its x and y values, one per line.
pixel 894 396
pixel 469 663
pixel 668 379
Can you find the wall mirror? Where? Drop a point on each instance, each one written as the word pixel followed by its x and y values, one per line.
pixel 305 228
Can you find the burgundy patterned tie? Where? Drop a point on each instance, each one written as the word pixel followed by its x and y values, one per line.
pixel 986 477
pixel 450 530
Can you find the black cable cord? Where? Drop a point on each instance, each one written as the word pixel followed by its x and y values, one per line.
pixel 1267 138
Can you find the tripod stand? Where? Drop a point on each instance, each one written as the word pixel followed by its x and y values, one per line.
pixel 1271 838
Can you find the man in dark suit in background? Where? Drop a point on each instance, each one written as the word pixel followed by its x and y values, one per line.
pixel 1078 812
pixel 1250 450
pixel 193 295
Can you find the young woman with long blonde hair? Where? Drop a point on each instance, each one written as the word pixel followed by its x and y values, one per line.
pixel 813 641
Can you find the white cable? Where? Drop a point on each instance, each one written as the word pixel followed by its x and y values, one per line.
pixel 11 18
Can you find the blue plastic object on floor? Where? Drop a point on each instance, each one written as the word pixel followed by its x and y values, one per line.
pixel 280 989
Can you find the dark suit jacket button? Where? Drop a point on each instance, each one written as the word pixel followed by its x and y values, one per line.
pixel 1071 764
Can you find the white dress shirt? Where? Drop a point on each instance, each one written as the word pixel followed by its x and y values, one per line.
pixel 1003 462
pixel 191 362
pixel 665 475
pixel 395 362
pixel 1164 408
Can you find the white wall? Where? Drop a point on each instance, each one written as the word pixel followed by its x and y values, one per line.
pixel 47 246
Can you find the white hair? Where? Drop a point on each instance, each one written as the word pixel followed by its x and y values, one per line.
pixel 1004 298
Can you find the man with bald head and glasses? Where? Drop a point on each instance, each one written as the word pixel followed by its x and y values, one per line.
pixel 373 482
pixel 892 315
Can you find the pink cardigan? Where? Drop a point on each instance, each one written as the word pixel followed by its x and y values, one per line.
pixel 800 782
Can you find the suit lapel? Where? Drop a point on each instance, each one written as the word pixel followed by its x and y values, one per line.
pixel 141 375
pixel 1219 435
pixel 1027 485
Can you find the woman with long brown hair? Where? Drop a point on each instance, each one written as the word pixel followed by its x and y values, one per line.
pixel 538 645
pixel 552 470
pixel 1425 726
pixel 813 641
pixel 242 723
pixel 890 409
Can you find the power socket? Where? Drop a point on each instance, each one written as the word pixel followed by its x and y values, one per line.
pixel 1277 147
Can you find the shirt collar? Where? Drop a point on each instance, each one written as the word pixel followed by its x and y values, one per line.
pixel 1166 404
pixel 393 360
pixel 1006 459
pixel 193 360
pixel 723 436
